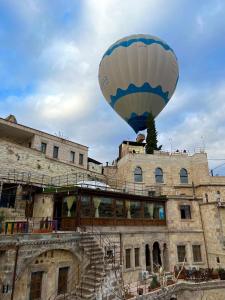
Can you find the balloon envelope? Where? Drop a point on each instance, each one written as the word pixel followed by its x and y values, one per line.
pixel 138 75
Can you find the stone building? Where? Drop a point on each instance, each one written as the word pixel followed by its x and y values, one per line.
pixel 70 228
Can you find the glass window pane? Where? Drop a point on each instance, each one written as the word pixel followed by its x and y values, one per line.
pixel 55 152
pixel 106 208
pixel 81 159
pixel 183 176
pixel 85 206
pixel 158 175
pixel 72 156
pixel 159 212
pixel 197 257
pixel 43 147
pixel 138 174
pixel 136 257
pixel 120 211
pixel 128 258
pixel 148 209
pixel 185 212
pixel 181 253
pixel 135 209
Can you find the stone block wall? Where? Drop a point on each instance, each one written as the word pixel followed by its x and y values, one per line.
pixel 13 156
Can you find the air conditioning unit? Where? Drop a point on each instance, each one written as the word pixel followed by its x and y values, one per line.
pixel 144 275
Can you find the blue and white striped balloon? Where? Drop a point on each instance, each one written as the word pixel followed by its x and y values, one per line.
pixel 138 75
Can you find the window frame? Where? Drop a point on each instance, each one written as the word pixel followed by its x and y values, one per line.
pixel 159 178
pixel 55 148
pixel 185 254
pixel 184 176
pixel 72 156
pixel 188 214
pixel 137 257
pixel 128 263
pixel 43 148
pixel 200 253
pixel 138 176
pixel 81 159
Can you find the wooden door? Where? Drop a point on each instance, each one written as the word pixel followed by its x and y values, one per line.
pixel 62 280
pixel 36 285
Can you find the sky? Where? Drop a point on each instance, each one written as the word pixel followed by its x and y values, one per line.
pixel 49 58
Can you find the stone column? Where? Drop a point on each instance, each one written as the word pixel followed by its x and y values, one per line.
pixel 161 254
pixel 151 257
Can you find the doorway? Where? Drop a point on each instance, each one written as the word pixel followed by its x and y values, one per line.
pixel 156 256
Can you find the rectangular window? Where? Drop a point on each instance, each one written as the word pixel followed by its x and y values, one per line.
pixel 62 280
pixel 181 253
pixel 43 147
pixel 128 258
pixel 72 156
pixel 197 256
pixel 185 212
pixel 104 206
pixel 81 159
pixel 135 209
pixel 136 257
pixel 36 285
pixel 55 152
pixel 85 206
pixel 159 212
pixel 120 210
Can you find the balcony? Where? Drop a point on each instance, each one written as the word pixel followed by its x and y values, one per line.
pixel 34 225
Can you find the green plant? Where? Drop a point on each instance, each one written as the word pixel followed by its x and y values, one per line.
pixel 151 139
pixel 221 270
pixel 154 283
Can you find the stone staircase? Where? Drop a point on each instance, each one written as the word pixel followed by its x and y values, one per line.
pixel 95 272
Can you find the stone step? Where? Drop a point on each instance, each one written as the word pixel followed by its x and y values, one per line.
pixel 89 243
pixel 92 277
pixel 92 283
pixel 95 250
pixel 96 273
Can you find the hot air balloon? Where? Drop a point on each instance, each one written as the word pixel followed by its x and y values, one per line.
pixel 138 75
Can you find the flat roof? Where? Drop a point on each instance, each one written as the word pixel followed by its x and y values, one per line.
pixel 133 143
pixel 32 130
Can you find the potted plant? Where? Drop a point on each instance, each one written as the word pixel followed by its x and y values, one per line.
pixel 154 283
pixel 221 273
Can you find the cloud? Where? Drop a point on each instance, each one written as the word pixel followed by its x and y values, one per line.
pixel 56 49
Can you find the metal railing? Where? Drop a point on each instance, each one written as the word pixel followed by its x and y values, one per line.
pixel 33 225
pixel 85 180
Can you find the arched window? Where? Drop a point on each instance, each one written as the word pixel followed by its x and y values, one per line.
pixel 159 175
pixel 138 174
pixel 183 176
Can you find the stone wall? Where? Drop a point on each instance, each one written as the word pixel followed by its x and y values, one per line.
pixel 213 219
pixel 64 148
pixel 214 290
pixel 196 165
pixel 13 156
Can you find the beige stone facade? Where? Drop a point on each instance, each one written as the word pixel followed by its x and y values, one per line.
pixel 190 232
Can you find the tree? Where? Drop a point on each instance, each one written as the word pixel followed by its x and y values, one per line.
pixel 151 139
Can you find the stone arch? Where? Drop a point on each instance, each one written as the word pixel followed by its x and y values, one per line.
pixel 165 257
pixel 24 262
pixel 49 266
